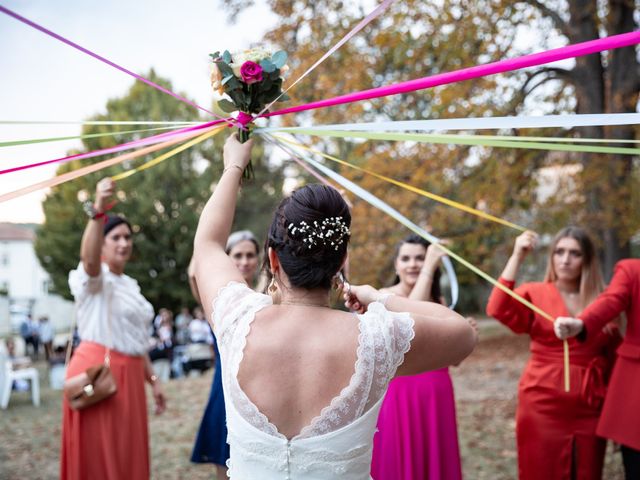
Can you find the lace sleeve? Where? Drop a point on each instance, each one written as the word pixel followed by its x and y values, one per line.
pixel 398 332
pixel 402 335
pixel 233 301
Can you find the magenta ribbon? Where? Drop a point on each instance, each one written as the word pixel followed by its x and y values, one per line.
pixel 243 118
pixel 102 59
pixel 532 60
pixel 125 146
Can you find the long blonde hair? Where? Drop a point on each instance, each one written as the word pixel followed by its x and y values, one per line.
pixel 591 283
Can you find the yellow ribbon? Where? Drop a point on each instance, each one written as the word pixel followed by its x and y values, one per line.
pixel 81 172
pixel 457 257
pixel 169 154
pixel 419 191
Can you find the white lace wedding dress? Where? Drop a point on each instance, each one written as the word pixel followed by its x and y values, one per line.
pixel 337 443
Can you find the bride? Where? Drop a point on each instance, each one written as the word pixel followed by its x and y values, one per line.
pixel 303 383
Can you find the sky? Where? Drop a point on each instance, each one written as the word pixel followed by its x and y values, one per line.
pixel 45 80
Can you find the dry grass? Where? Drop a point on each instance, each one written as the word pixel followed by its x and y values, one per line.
pixel 485 389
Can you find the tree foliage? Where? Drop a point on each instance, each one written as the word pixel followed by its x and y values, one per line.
pixel 163 203
pixel 415 39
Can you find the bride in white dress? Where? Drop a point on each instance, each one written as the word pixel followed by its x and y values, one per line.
pixel 303 383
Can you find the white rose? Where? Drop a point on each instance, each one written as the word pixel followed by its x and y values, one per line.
pixel 253 55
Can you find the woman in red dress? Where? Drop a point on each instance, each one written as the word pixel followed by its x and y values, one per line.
pixel 556 430
pixel 620 419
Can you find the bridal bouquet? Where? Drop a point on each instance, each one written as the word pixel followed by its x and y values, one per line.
pixel 248 81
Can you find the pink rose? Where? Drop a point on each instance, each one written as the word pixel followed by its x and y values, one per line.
pixel 251 72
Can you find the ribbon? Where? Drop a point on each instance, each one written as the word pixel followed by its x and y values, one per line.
pixel 102 59
pixel 508 65
pixel 162 158
pixel 363 23
pixel 380 205
pixel 91 122
pixel 118 148
pixel 93 168
pixel 374 201
pixel 243 118
pixel 473 140
pixel 74 137
pixel 419 191
pixel 524 138
pixel 479 123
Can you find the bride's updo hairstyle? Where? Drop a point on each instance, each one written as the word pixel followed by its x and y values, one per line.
pixel 310 234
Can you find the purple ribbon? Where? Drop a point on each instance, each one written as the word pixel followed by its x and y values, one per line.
pixel 102 59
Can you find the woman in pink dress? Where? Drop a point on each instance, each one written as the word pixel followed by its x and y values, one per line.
pixel 417 436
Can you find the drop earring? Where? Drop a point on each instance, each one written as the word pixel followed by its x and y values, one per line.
pixel 273 286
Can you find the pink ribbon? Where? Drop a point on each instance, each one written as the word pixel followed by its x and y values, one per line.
pixel 118 148
pixel 102 59
pixel 532 60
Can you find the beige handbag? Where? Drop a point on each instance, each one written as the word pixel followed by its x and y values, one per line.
pixel 93 385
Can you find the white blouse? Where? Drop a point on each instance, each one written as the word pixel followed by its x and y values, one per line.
pixel 111 310
pixel 338 443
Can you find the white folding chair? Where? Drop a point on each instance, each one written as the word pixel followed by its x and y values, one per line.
pixel 8 375
pixel 162 368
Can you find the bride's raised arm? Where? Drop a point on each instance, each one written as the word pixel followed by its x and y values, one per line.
pixel 212 267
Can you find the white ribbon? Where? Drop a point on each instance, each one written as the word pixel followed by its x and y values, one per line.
pixel 488 123
pixel 380 205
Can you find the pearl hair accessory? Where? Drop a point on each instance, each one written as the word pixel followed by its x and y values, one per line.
pixel 331 232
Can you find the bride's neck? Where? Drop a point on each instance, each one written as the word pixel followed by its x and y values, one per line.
pixel 300 296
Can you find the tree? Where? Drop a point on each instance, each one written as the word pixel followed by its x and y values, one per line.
pixel 413 39
pixel 608 82
pixel 163 203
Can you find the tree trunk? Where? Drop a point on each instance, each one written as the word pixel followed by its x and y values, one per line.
pixel 622 96
pixel 613 89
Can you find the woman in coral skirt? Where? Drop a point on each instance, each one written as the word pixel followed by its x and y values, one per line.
pixel 109 440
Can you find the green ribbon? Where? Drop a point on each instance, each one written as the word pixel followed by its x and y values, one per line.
pixel 90 135
pixel 473 140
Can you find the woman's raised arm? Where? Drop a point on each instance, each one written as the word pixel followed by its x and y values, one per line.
pixel 93 236
pixel 213 268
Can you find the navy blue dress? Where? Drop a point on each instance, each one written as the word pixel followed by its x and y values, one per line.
pixel 211 443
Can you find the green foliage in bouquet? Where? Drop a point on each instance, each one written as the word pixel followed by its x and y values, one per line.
pixel 248 81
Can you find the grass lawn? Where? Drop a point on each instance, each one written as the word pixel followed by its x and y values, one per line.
pixel 485 387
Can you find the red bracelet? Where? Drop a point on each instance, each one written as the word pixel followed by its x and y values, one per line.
pixel 92 212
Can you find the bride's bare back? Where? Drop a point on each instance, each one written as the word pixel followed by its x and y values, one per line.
pixel 296 360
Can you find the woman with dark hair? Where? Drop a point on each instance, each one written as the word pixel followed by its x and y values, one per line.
pixel 417 435
pixel 109 440
pixel 211 443
pixel 303 383
pixel 556 430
